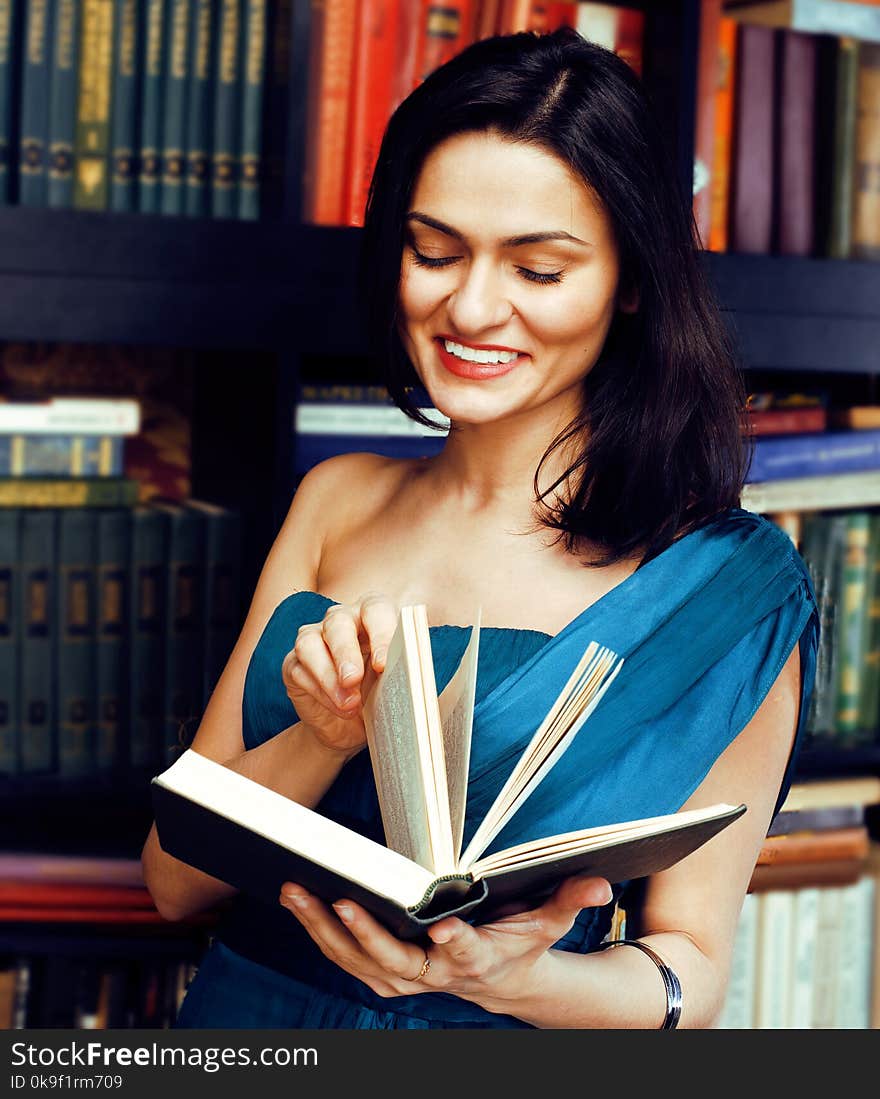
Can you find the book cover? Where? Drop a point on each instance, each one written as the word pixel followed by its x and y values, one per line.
pixel 9 14
pixel 199 100
pixel 152 82
pixel 76 648
pixel 184 625
pixel 176 82
pixel 36 689
pixel 91 187
pixel 227 92
pixel 708 63
pixel 332 34
pixel 62 102
pixel 10 595
pixel 839 148
pixel 67 492
pixel 253 84
pixel 795 143
pixel 866 170
pixel 752 178
pixel 146 619
pixel 36 74
pixel 719 183
pixel 112 632
pixel 814 455
pixel 124 121
pixel 61 456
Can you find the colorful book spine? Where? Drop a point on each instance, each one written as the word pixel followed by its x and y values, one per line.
pixel 10 523
pixel 111 629
pixel 68 492
pixel 708 61
pixel 752 179
pixel 866 194
pixel 842 149
pixel 852 632
pixel 146 621
pixel 723 135
pixel 61 456
pixel 91 189
pixel 62 102
pixel 149 164
pixel 199 102
pixel 171 199
pixel 814 455
pixel 253 85
pixel 795 143
pixel 124 115
pixel 35 87
pixel 869 701
pixel 8 15
pixel 75 658
pixel 36 692
pixel 227 90
pixel 447 27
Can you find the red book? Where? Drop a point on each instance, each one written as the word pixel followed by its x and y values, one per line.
pixel 786 421
pixel 708 56
pixel 795 144
pixel 55 895
pixel 540 16
pixel 372 91
pixel 751 213
pixel 719 182
pixel 447 26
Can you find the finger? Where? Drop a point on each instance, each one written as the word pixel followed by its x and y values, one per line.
pixel 299 681
pixel 393 956
pixel 340 632
pixel 310 650
pixel 318 920
pixel 379 616
pixel 558 913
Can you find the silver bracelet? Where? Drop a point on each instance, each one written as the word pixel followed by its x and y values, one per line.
pixel 670 980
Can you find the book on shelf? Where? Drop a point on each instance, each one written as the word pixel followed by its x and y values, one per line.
pixel 617 28
pixel 865 242
pixel 227 89
pixel 836 490
pixel 91 187
pixel 113 550
pixel 146 641
pixel 36 76
pixel 785 421
pixel 815 846
pixel 753 172
pixel 199 100
pixel 68 492
pixel 859 18
pixel 795 875
pixel 445 31
pixel 856 417
pixel 862 790
pixel 708 63
pixel 826 818
pixel 61 456
pixel 125 79
pixel 36 635
pixel 62 102
pixel 175 84
pixel 9 15
pixel 795 143
pixel 774 959
pixel 839 207
pixel 58 869
pixel 76 725
pixel 70 416
pixel 10 595
pixel 419 744
pixel 151 84
pixel 723 126
pixel 815 455
pixel 254 62
pixel 738 1012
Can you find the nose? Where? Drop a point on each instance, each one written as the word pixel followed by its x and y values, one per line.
pixel 479 301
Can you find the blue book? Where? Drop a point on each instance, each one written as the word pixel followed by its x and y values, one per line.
pixel 75 660
pixel 61 456
pixel 36 74
pixel 127 30
pixel 781 457
pixel 8 15
pixel 10 523
pixel 63 101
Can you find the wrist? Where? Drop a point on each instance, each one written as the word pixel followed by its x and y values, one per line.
pixel 309 741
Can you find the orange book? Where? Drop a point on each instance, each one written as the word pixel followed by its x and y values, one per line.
pixel 809 847
pixel 719 183
pixel 704 127
pixel 331 57
pixel 488 19
pixel 541 16
pixel 446 28
pixel 372 91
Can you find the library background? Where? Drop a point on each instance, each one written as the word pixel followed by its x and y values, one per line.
pixel 182 185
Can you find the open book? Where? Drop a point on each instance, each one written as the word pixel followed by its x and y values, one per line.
pixel 255 839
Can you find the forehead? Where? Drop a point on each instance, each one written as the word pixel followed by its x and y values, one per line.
pixel 490 186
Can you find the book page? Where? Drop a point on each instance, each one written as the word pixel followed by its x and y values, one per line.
pixel 457 718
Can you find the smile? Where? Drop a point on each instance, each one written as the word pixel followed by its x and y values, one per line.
pixel 468 362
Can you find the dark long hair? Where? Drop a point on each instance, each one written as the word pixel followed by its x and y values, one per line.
pixel 657 449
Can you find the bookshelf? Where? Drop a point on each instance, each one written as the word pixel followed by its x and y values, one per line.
pixel 261 303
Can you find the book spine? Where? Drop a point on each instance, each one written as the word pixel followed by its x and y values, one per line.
pixel 10 523
pixel 787 421
pixel 70 416
pixel 837 91
pixel 149 164
pixel 274 193
pixel 75 705
pixel 723 135
pixel 146 637
pixel 851 636
pixel 176 83
pixel 253 84
pixel 200 95
pixel 62 102
pixel 775 927
pixel 36 77
pixel 794 143
pixel 866 191
pixel 8 16
pixel 224 156
pixel 806 926
pixel 708 61
pixel 113 556
pixel 854 961
pixel 815 455
pixel 826 960
pixel 447 27
pixel 739 1003
pixel 37 647
pixel 124 121
pixel 68 492
pixel 869 699
pixel 222 594
pixel 91 189
pixel 752 181
pixel 61 456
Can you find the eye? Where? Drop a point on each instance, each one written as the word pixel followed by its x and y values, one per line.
pixel 529 276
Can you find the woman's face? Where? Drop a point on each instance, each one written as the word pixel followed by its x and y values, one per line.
pixel 476 276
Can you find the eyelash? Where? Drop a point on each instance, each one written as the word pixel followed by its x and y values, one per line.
pixel 530 276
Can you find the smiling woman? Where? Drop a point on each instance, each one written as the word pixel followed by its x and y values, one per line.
pixel 529 260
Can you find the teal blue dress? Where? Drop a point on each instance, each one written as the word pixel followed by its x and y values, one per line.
pixel 704 629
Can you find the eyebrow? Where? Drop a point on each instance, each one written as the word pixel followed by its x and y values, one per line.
pixel 509 242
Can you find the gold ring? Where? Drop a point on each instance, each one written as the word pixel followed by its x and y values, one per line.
pixel 426 965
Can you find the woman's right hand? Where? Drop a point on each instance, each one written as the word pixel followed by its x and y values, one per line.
pixel 333 667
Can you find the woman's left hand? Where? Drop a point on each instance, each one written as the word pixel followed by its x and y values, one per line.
pixel 491 965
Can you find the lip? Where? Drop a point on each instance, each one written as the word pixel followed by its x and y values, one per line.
pixel 475 371
pixel 478 346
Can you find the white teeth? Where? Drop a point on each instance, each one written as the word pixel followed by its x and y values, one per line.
pixel 470 355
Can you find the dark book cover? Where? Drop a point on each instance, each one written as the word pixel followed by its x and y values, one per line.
pixel 836 100
pixel 75 676
pixel 852 635
pixel 184 626
pixel 823 548
pixel 33 158
pixel 869 699
pixel 125 78
pixel 752 184
pixel 200 97
pixel 62 102
pixel 146 636
pixel 10 596
pixel 36 690
pixel 275 196
pixel 253 84
pixel 91 187
pixel 176 83
pixel 227 92
pixel 153 68
pixel 866 181
pixel 794 142
pixel 9 14
pixel 113 557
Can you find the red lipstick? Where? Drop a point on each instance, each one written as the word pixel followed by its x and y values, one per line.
pixel 475 371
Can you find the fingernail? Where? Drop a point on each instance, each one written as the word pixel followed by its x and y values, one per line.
pixel 441 936
pixel 295 896
pixel 343 912
pixel 379 656
pixel 347 670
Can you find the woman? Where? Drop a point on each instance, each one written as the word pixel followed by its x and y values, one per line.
pixel 529 260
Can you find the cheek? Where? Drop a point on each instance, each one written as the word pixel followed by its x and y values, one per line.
pixel 419 296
